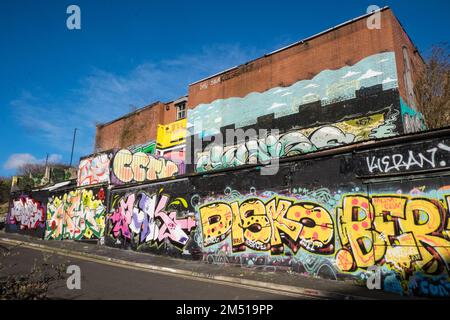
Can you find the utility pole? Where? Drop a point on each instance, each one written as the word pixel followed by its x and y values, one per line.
pixel 73 145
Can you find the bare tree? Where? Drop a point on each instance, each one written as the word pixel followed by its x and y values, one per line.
pixel 30 169
pixel 37 168
pixel 38 174
pixel 432 89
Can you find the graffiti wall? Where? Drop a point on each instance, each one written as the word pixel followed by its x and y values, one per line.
pixel 76 214
pixel 94 170
pixel 156 218
pixel 149 147
pixel 170 142
pixel 403 229
pixel 332 217
pixel 27 214
pixel 413 121
pixel 417 156
pixel 336 107
pixel 128 167
pixel 263 150
pixel 176 154
pixel 318 218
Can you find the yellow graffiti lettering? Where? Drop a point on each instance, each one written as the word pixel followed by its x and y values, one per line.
pixel 404 232
pixel 255 224
pixel 216 222
pixel 269 226
pixel 121 165
pixel 141 166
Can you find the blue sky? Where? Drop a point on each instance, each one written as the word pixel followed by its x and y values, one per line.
pixel 135 52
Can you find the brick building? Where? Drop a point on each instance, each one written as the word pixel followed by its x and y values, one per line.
pixel 347 84
pixel 344 85
pixel 140 126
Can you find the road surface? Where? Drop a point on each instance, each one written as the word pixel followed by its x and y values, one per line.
pixel 110 281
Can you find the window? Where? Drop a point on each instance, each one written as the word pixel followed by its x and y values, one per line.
pixel 181 110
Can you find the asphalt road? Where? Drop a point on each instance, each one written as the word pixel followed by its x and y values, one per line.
pixel 100 281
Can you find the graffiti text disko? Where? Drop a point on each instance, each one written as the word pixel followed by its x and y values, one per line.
pixel 399 230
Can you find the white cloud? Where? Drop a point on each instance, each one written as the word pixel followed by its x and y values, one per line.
pixel 54 158
pixel 279 90
pixel 105 95
pixel 350 74
pixel 16 160
pixel 389 79
pixel 311 85
pixel 369 74
pixel 276 105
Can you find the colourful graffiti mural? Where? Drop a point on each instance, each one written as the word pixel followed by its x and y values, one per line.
pixel 309 115
pixel 27 213
pixel 413 121
pixel 150 219
pixel 295 142
pixel 77 215
pixel 327 87
pixel 93 170
pixel 260 225
pixel 407 236
pixel 175 154
pixel 138 167
pixel 407 233
pixel 149 147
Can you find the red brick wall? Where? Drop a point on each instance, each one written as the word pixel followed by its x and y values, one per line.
pixel 343 46
pixel 332 50
pixel 170 113
pixel 142 127
pixel 139 127
pixel 401 40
